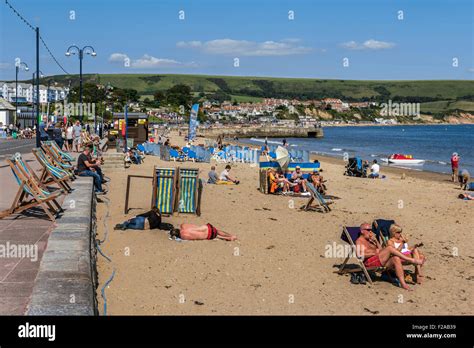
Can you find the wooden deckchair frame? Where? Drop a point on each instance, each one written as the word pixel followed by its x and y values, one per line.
pixel 175 187
pixel 197 200
pixel 315 195
pixel 362 267
pixel 32 184
pixel 46 173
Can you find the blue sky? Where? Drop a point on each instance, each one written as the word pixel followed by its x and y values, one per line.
pixel 147 36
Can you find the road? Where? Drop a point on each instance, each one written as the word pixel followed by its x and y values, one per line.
pixel 10 147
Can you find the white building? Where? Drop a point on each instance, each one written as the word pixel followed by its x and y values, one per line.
pixel 7 112
pixel 26 93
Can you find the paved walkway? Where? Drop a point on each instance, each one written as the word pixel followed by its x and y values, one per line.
pixel 27 232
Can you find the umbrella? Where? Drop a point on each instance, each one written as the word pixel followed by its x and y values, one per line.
pixel 282 157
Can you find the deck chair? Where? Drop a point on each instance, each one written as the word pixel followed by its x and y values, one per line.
pixel 30 186
pixel 52 173
pixel 56 159
pixel 350 235
pixel 188 190
pixel 64 155
pixel 316 196
pixel 164 189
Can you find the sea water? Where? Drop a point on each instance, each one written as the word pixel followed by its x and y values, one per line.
pixel 435 144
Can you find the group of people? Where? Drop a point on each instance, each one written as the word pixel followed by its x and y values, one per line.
pixel 393 255
pixel 296 183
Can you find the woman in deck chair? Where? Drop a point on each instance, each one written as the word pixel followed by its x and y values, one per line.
pixel 278 182
pixel 400 243
pixel 370 250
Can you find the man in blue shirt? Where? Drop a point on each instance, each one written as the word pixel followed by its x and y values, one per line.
pixel 43 129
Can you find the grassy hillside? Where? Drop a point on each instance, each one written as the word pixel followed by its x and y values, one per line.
pixel 437 96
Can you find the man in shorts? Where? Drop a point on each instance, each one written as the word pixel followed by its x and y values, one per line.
pixel 76 133
pixel 203 232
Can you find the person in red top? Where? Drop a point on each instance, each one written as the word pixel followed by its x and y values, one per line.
pixel 455 166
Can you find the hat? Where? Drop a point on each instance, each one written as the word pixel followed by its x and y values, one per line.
pixel 297 167
pixel 455 154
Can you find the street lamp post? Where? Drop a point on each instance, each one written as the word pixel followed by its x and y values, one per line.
pixel 18 66
pixel 87 50
pixel 33 102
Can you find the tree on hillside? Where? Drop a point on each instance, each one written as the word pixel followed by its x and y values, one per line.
pixel 179 95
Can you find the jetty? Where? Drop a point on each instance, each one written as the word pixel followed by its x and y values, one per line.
pixel 261 132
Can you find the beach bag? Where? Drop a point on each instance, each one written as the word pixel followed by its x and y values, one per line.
pixel 296 189
pixel 470 186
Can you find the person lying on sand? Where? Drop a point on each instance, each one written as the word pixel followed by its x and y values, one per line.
pixel 225 178
pixel 204 232
pixel 369 249
pixel 466 196
pixel 145 221
pixel 400 243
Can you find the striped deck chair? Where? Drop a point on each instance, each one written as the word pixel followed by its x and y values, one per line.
pixel 315 195
pixel 52 173
pixel 64 155
pixel 164 189
pixel 56 159
pixel 350 235
pixel 188 186
pixel 30 186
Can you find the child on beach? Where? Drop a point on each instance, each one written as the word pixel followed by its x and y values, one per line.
pixel 400 243
pixel 225 178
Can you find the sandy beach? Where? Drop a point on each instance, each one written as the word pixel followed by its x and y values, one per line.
pixel 278 264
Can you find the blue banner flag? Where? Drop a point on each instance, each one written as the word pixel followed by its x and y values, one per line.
pixel 193 122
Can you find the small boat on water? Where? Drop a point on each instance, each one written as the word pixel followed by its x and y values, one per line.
pixel 397 158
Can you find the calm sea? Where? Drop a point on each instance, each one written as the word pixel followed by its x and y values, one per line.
pixel 435 144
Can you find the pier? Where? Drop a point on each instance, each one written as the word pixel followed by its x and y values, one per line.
pixel 262 132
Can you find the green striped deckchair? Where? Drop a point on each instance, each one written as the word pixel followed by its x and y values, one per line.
pixel 188 184
pixel 56 158
pixel 64 155
pixel 30 186
pixel 51 172
pixel 316 196
pixel 164 189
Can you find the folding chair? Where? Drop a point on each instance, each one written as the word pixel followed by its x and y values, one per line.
pixel 57 160
pixel 64 155
pixel 164 189
pixel 30 186
pixel 52 173
pixel 188 190
pixel 315 195
pixel 350 235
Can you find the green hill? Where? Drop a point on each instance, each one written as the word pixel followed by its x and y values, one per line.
pixel 438 95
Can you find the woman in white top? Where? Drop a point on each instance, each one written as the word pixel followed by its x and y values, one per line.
pixel 401 243
pixel 69 136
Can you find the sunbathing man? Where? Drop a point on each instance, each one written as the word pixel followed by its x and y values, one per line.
pixel 369 249
pixel 297 177
pixel 204 232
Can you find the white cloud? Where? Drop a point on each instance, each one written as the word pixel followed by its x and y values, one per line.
pixel 368 45
pixel 147 62
pixel 247 48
